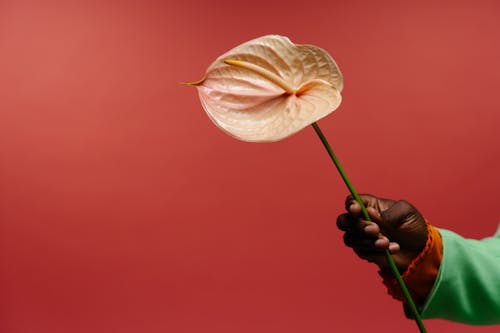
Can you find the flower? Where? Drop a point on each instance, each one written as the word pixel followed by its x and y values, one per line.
pixel 268 88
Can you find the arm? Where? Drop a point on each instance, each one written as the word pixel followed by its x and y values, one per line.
pixel 467 288
pixel 450 277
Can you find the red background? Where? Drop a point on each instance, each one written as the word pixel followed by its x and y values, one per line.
pixel 123 209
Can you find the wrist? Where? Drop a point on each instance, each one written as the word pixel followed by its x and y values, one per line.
pixel 421 271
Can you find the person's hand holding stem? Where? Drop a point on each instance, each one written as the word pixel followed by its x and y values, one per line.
pixel 364 212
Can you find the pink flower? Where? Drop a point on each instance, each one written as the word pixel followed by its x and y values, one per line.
pixel 268 88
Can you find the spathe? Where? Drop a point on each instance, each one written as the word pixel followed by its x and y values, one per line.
pixel 268 88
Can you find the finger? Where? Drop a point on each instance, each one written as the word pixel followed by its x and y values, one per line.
pixel 371 229
pixel 345 222
pixel 348 202
pixel 354 208
pixel 367 199
pixel 394 247
pixel 357 241
pixel 382 243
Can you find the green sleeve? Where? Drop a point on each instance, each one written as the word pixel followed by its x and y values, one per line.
pixel 467 288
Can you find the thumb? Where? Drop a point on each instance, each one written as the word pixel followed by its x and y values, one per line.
pixel 369 201
pixel 400 212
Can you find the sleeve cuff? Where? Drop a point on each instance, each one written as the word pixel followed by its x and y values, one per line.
pixel 421 273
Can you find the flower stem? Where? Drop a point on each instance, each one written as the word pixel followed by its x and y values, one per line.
pixel 388 256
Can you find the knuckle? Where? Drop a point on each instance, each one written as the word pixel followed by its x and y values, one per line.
pixel 348 201
pixel 340 221
pixel 404 203
pixel 349 239
pixel 346 238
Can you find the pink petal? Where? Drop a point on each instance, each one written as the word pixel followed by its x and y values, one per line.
pixel 269 88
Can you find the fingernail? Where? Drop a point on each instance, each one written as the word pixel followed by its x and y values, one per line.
pixel 369 229
pixel 393 247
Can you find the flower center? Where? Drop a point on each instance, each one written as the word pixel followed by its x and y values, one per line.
pixel 277 80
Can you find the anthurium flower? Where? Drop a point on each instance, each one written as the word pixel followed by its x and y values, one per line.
pixel 269 88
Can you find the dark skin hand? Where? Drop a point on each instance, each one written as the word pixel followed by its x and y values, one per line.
pixel 397 226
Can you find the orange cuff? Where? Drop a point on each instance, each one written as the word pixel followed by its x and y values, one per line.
pixel 421 273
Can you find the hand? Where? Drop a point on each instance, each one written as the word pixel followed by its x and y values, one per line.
pixel 397 226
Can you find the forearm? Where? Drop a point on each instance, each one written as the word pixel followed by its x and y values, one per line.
pixel 467 288
pixel 455 278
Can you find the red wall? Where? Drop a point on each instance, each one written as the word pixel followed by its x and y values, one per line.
pixel 123 209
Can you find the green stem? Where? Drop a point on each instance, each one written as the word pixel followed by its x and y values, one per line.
pixel 388 256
